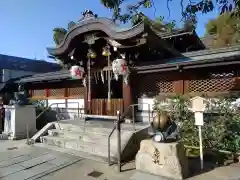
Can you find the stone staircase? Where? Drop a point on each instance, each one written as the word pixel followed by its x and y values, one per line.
pixel 90 140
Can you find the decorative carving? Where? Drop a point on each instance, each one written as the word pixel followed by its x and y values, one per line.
pixel 156 157
pixel 164 129
pixel 88 14
pixel 90 39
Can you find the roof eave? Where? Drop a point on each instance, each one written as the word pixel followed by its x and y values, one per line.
pixel 96 25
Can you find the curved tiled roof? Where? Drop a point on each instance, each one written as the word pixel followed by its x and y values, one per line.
pixel 96 24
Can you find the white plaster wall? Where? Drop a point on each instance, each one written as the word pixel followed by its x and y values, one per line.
pixel 8 74
pixel 54 101
pixel 145 103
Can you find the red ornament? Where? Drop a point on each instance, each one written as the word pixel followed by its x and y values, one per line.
pixel 124 67
pixel 78 73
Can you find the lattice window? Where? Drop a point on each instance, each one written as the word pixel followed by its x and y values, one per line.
pixel 152 85
pixel 57 92
pixel 211 85
pixel 165 86
pixel 78 91
pixel 39 92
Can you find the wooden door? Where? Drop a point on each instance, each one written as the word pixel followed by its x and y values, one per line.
pixel 100 107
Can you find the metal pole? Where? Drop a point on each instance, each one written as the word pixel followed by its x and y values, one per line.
pixel 149 118
pixel 133 116
pixel 200 143
pixel 78 110
pixel 89 83
pixel 28 142
pixel 119 141
pixel 109 79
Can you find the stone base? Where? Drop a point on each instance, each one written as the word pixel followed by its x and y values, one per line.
pixel 171 161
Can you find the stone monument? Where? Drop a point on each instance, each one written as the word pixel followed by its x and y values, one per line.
pixel 20 117
pixel 164 154
pixel 162 159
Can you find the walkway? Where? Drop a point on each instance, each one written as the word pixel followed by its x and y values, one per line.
pixel 22 162
pixel 18 161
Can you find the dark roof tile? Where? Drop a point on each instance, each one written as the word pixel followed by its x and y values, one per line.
pixel 24 64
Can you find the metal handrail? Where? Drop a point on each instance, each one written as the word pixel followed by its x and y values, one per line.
pixel 57 107
pixel 118 126
pixel 109 136
pixel 133 111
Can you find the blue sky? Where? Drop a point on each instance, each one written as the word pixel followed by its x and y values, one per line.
pixel 26 25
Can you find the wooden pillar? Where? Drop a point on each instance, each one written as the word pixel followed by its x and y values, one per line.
pixel 127 97
pixel 179 86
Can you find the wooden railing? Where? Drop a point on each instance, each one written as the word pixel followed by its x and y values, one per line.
pixel 105 107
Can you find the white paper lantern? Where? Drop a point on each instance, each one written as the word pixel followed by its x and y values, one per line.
pixel 119 67
pixel 77 72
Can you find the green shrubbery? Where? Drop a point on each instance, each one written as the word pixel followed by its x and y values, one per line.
pixel 221 128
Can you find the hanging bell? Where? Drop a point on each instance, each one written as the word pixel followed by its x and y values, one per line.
pixel 91 54
pixel 106 52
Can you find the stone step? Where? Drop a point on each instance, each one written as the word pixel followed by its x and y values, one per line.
pixel 83 128
pixel 84 155
pixel 78 145
pixel 95 127
pixel 92 137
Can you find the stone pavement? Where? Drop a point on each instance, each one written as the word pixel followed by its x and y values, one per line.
pixel 21 162
pixel 83 168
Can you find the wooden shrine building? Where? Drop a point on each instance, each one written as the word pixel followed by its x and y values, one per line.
pixel 149 60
